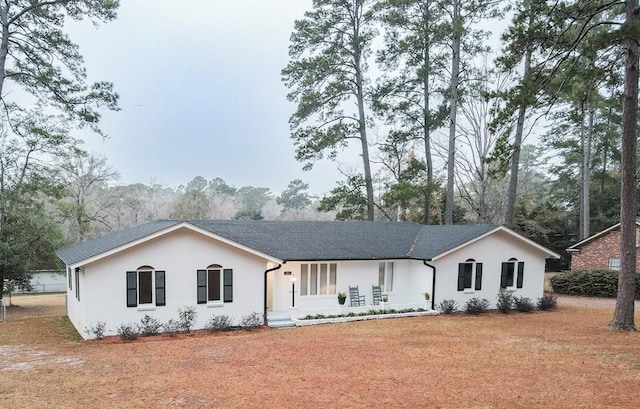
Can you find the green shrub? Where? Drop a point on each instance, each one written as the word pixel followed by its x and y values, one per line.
pixel 547 302
pixel 477 306
pixel 171 328
pixel 591 283
pixel 128 332
pixel 149 326
pixel 219 323
pixel 186 318
pixel 363 314
pixel 505 300
pixel 448 306
pixel 523 304
pixel 253 320
pixel 97 330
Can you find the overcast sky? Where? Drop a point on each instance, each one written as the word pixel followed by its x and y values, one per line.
pixel 200 91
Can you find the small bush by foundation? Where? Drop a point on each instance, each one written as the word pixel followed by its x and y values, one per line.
pixel 96 330
pixel 505 301
pixel 253 320
pixel 186 318
pixel 149 326
pixel 128 332
pixel 547 302
pixel 171 328
pixel 477 306
pixel 448 306
pixel 219 323
pixel 523 304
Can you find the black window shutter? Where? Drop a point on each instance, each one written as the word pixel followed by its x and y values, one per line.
pixel 461 276
pixel 70 277
pixel 228 285
pixel 503 275
pixel 520 274
pixel 160 292
pixel 132 288
pixel 478 276
pixel 202 286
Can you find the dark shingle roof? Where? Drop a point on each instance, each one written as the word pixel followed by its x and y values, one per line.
pixel 317 240
pixel 306 240
pixel 90 248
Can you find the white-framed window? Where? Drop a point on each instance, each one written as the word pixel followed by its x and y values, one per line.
pixel 145 287
pixel 77 279
pixel 385 276
pixel 214 285
pixel 318 278
pixel 614 263
pixel 508 277
pixel 469 275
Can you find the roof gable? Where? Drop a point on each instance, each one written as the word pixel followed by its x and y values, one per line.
pixel 578 245
pixel 437 241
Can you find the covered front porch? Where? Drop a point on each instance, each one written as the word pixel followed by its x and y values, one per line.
pixel 298 290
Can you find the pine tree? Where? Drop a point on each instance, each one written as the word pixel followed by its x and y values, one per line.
pixel 327 75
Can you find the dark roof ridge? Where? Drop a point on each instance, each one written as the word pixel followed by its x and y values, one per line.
pixel 303 239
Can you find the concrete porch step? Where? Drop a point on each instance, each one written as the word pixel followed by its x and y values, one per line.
pixel 280 323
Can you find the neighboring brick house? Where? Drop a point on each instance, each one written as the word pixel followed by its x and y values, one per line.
pixel 600 251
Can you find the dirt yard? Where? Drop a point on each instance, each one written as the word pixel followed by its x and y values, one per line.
pixel 561 359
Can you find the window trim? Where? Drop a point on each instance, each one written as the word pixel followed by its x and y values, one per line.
pixel 77 282
pixel 512 270
pixel 311 277
pixel 475 279
pixel 385 276
pixel 158 286
pixel 614 266
pixel 225 285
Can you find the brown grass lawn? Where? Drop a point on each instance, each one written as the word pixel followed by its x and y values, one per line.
pixel 561 359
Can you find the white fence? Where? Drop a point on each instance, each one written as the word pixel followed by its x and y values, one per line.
pixel 45 282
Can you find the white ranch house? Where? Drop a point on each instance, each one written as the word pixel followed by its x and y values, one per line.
pixel 236 268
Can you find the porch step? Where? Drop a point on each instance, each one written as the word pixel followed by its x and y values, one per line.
pixel 281 323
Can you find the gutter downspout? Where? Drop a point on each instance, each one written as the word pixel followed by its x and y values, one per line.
pixel 433 284
pixel 265 289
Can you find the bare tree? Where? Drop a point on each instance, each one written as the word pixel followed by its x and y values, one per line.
pixel 85 205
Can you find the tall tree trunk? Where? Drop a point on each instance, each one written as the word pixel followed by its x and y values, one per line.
pixel 512 193
pixel 623 315
pixel 605 158
pixel 427 119
pixel 362 124
pixel 455 71
pixel 586 178
pixel 4 44
pixel 584 175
